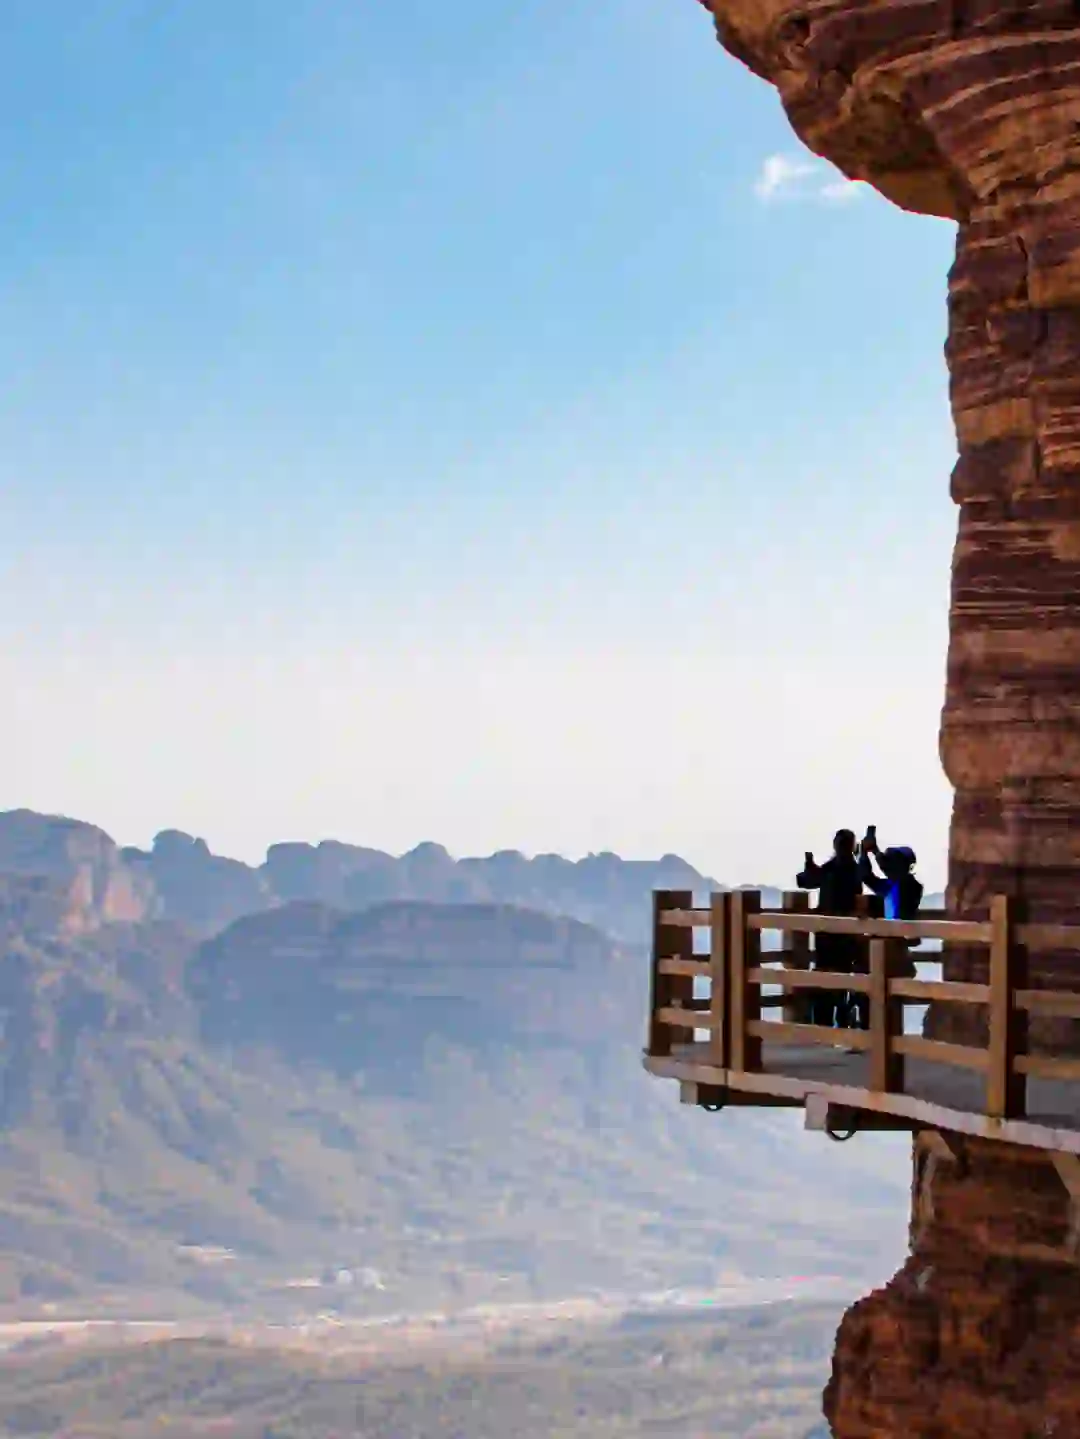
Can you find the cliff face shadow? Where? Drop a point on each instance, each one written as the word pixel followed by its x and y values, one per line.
pixel 978 1334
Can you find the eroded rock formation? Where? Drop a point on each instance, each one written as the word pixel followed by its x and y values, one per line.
pixel 79 860
pixel 979 1333
pixel 970 110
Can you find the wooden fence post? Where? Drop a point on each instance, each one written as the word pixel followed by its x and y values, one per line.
pixel 669 942
pixel 719 939
pixel 886 1017
pixel 1006 1096
pixel 745 998
pixel 796 951
pixel 898 960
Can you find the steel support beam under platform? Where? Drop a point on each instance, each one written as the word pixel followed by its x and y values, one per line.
pixel 713 1096
pixel 832 1087
pixel 821 1113
pixel 824 1115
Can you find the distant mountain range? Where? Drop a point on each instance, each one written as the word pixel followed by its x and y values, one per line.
pixel 179 879
pixel 395 1103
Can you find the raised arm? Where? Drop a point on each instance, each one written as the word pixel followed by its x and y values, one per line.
pixel 810 875
pixel 867 876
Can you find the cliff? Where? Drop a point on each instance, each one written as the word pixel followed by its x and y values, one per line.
pixel 79 860
pixel 968 110
pixel 979 1332
pixel 195 887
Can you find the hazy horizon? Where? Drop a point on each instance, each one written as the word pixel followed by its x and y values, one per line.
pixel 256 858
pixel 487 426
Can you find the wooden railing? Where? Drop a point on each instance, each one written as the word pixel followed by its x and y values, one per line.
pixel 737 971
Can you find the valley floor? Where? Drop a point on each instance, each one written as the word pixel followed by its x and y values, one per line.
pixel 728 1368
pixel 391 1334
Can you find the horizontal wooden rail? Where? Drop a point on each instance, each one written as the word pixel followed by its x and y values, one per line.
pixel 925 991
pixel 1047 1066
pixel 685 918
pixel 952 930
pixel 679 1018
pixel 691 918
pixel 932 925
pixel 1048 936
pixel 776 1033
pixel 1056 1003
pixel 962 1056
pixel 1059 1003
pixel 686 968
pixel 813 979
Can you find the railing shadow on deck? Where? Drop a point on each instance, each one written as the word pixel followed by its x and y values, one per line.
pixel 742 983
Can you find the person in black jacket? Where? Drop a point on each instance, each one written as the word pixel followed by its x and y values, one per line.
pixel 839 884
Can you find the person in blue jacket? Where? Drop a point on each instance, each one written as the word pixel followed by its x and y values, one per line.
pixel 896 884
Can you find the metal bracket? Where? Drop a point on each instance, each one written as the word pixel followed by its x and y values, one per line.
pixel 835 1120
pixel 828 1117
pixel 706 1096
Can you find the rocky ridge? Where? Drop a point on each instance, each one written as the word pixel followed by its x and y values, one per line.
pixel 179 878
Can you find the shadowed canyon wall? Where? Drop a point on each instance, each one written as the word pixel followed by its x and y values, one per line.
pixel 970 110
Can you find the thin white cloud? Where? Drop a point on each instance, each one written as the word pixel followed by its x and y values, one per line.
pixel 782 175
pixel 793 177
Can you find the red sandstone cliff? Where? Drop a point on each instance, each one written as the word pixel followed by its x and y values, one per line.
pixel 978 1335
pixel 970 109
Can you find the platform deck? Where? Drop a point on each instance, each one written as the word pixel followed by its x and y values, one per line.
pixel 935 1096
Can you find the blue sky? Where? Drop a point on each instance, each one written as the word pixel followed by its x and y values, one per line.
pixel 478 422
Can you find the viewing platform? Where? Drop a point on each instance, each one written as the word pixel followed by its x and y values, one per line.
pixel 730 1024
